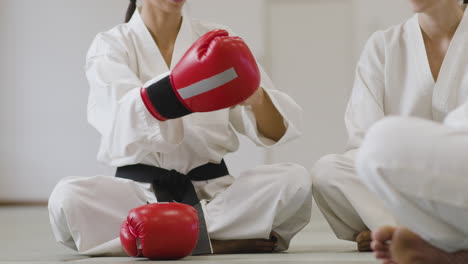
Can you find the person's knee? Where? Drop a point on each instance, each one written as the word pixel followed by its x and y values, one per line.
pixel 63 200
pixel 63 197
pixel 296 175
pixel 325 172
pixel 299 175
pixel 295 179
pixel 301 179
pixel 388 142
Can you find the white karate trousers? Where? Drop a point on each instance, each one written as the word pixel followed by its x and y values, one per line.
pixel 420 170
pixel 347 204
pixel 86 213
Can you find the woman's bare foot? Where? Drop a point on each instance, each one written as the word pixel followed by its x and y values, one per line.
pixel 363 241
pixel 245 245
pixel 381 244
pixel 400 245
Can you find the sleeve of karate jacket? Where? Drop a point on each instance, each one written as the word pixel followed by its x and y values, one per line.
pixel 365 107
pixel 115 108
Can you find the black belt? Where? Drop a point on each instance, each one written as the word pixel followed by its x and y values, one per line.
pixel 170 185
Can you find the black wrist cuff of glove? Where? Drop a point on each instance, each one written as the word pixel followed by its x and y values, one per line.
pixel 164 99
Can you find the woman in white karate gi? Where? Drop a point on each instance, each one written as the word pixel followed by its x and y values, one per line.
pixel 399 73
pixel 419 167
pixel 241 212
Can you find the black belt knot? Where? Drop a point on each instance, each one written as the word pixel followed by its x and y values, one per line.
pixel 170 178
pixel 174 186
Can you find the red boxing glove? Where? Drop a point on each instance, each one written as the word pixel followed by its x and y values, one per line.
pixel 217 72
pixel 160 231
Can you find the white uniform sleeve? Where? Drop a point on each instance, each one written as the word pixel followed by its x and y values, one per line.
pixel 243 119
pixel 458 118
pixel 365 106
pixel 115 109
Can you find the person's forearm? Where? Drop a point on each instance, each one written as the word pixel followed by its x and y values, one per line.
pixel 269 120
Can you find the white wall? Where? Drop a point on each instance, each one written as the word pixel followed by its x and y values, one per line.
pixel 43 92
pixel 311 47
pixel 43 95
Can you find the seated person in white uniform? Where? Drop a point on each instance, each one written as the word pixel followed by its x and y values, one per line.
pixel 419 167
pixel 259 210
pixel 415 69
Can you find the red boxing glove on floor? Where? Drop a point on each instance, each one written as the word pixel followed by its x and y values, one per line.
pixel 160 231
pixel 217 72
